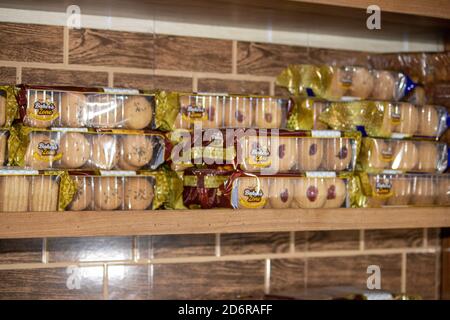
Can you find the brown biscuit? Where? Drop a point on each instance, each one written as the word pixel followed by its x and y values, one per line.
pixel 138 112
pixel 42 151
pixel 14 193
pixel 44 193
pixel 83 198
pixel 138 194
pixel 2 109
pixel 73 110
pixel 108 193
pixel 105 151
pixel 75 150
pixel 3 141
pixel 104 111
pixel 43 108
pixel 136 150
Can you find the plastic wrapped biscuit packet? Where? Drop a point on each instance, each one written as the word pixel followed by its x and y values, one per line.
pixel 378 155
pixel 125 190
pixel 68 149
pixel 29 190
pixel 189 110
pixel 77 107
pixel 239 190
pixel 3 147
pixel 378 190
pixel 8 106
pixel 387 119
pixel 336 83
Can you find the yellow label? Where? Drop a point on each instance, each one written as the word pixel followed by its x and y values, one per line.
pixel 47 152
pixel 44 111
pixel 387 155
pixel 395 115
pixel 383 188
pixel 259 157
pixel 252 198
pixel 194 113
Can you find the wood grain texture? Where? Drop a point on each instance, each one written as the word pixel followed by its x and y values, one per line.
pixel 192 54
pixel 400 238
pixel 335 271
pixel 332 240
pixel 268 59
pixel 421 275
pixel 124 223
pixel 129 282
pixel 111 48
pixel 287 274
pixel 445 267
pixel 434 237
pixel 254 243
pixel 233 86
pixel 338 57
pixel 7 75
pixel 176 246
pixel 89 249
pixel 31 43
pixel 152 82
pixel 20 250
pixel 50 284
pixel 55 77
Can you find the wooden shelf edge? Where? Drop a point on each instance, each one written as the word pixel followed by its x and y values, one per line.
pixel 123 223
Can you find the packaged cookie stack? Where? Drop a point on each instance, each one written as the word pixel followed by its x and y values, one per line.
pixel 93 149
pixel 400 161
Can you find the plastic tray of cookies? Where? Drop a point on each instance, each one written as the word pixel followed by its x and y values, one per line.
pixel 377 190
pixel 387 119
pixel 29 190
pixel 343 82
pixel 3 146
pixel 67 149
pixel 199 110
pixel 378 155
pixel 72 107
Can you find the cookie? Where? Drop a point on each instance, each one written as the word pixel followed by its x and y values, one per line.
pixel 138 194
pixel 443 189
pixel 83 198
pixel 268 113
pixel 14 193
pixel 73 110
pixel 42 151
pixel 104 111
pixel 428 157
pixel 281 192
pixel 136 150
pixel 423 191
pixel 384 86
pixel 44 193
pixel 256 154
pixel 428 121
pixel 379 154
pixel 336 88
pixel 3 143
pixel 401 192
pixel 338 154
pixel 405 118
pixel 336 193
pixel 210 111
pixel 124 165
pixel 310 193
pixel 284 153
pixel 105 151
pixel 2 108
pixel 252 192
pixel 362 83
pixel 381 188
pixel 406 156
pixel 239 112
pixel 310 154
pixel 138 112
pixel 108 193
pixel 75 149
pixel 42 109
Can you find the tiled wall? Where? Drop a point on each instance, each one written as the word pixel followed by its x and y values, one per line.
pixel 187 266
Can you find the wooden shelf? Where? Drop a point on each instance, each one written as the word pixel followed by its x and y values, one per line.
pixel 121 223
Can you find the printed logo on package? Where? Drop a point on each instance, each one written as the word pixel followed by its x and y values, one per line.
pixel 252 198
pixel 44 110
pixel 47 151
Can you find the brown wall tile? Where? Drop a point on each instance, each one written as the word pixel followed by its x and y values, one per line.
pixel 89 249
pixel 176 246
pixel 333 240
pixel 111 48
pixel 20 250
pixel 254 243
pixel 7 75
pixel 334 271
pixel 338 57
pixel 64 77
pixel 398 238
pixel 421 275
pixel 268 59
pixel 129 282
pixel 287 274
pixel 31 43
pixel 233 86
pixel 192 54
pixel 434 237
pixel 147 81
pixel 45 284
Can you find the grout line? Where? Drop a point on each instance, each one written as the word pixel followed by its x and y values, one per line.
pixel 200 259
pixel 44 251
pixel 292 241
pixel 267 277
pixel 194 83
pixel 403 280
pixel 217 245
pixel 425 237
pixel 66 46
pixel 105 282
pixel 110 79
pixel 234 51
pixel 18 74
pixel 362 243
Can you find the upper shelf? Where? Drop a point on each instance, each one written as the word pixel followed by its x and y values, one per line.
pixel 122 223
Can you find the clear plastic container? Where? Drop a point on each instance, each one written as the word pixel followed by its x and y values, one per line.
pixel 3 147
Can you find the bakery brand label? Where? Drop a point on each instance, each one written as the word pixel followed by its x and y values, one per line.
pixel 44 110
pixel 387 154
pixel 252 198
pixel 259 157
pixel 194 113
pixel 47 151
pixel 383 188
pixel 395 115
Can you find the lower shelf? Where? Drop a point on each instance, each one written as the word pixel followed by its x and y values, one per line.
pixel 121 223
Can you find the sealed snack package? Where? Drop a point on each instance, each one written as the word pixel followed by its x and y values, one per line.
pixel 304 114
pixel 29 190
pixel 186 111
pixel 377 190
pixel 8 105
pixel 239 190
pixel 122 190
pixel 72 107
pixel 387 119
pixel 378 155
pixel 3 146
pixel 336 83
pixel 68 149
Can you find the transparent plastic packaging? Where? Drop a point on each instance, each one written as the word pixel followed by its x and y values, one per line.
pixel 49 149
pixel 379 190
pixel 336 83
pixel 230 111
pixel 3 146
pixel 378 155
pixel 2 108
pixel 71 107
